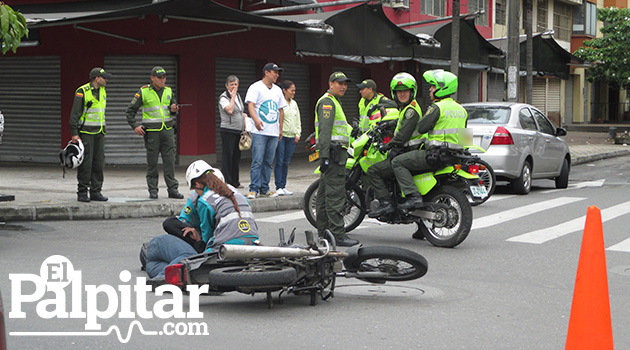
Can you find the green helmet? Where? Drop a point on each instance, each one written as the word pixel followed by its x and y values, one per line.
pixel 403 81
pixel 445 82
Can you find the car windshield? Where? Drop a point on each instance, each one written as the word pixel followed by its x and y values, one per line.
pixel 488 114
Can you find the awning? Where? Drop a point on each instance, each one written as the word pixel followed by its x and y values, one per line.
pixel 550 59
pixel 362 33
pixel 45 15
pixel 475 52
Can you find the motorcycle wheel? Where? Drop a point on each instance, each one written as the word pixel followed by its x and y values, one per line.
pixel 489 182
pixel 399 264
pixel 454 223
pixel 353 211
pixel 244 276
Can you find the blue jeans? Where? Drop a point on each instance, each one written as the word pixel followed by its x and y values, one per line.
pixel 284 152
pixel 166 250
pixel 263 153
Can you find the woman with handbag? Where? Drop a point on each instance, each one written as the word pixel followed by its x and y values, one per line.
pixel 233 116
pixel 291 130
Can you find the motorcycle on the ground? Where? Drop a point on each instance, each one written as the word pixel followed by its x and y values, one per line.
pixel 445 218
pixel 309 269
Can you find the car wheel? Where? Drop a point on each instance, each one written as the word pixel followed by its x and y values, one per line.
pixel 562 181
pixel 523 183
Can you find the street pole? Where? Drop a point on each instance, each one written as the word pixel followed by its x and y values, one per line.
pixel 513 54
pixel 529 60
pixel 455 39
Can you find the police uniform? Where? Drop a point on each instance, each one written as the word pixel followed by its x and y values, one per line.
pixel 159 123
pixel 364 110
pixel 87 120
pixel 333 137
pixel 442 123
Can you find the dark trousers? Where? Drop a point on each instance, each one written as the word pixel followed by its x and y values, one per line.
pixel 174 227
pixel 331 197
pixel 161 142
pixel 90 172
pixel 230 157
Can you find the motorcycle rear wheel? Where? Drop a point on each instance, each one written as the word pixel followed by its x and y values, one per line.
pixel 489 182
pixel 455 222
pixel 399 264
pixel 244 276
pixel 353 211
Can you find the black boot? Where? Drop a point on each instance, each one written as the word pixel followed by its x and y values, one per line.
pixel 385 207
pixel 413 201
pixel 346 241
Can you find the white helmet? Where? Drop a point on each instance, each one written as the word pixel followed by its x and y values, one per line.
pixel 72 156
pixel 198 168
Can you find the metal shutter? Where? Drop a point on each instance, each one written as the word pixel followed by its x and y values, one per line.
pixel 539 94
pixel 30 99
pixel 245 70
pixel 553 95
pixel 299 74
pixel 496 87
pixel 129 73
pixel 350 101
pixel 468 89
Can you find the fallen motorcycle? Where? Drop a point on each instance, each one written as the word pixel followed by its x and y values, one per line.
pixel 309 269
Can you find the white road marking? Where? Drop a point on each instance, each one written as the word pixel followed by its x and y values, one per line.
pixel 595 183
pixel 549 233
pixel 294 215
pixel 498 197
pixel 623 246
pixel 502 217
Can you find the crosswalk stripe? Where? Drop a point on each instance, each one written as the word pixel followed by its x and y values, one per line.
pixel 502 217
pixel 623 246
pixel 595 183
pixel 549 233
pixel 295 215
pixel 498 197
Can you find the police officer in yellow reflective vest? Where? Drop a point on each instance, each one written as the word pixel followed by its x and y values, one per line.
pixel 332 133
pixel 369 99
pixel 443 123
pixel 159 110
pixel 87 123
pixel 406 138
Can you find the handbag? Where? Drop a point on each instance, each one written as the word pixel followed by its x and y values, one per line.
pixel 245 142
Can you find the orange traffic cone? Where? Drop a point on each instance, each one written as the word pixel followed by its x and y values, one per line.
pixel 589 325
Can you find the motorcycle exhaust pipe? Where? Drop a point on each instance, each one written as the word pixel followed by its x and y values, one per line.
pixel 239 252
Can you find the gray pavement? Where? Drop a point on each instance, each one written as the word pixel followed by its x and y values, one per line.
pixel 42 194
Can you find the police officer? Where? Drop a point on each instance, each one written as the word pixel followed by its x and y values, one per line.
pixel 406 138
pixel 87 123
pixel 332 133
pixel 369 99
pixel 159 110
pixel 442 123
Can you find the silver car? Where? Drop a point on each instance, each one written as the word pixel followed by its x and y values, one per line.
pixel 521 143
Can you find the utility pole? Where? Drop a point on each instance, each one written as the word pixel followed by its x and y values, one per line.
pixel 455 39
pixel 513 54
pixel 529 60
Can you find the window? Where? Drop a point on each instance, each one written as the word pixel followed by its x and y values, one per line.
pixel 585 19
pixel 542 23
pixel 433 7
pixel 479 5
pixel 526 119
pixel 544 123
pixel 500 12
pixel 562 21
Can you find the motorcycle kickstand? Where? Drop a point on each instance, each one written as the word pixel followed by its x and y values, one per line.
pixel 269 301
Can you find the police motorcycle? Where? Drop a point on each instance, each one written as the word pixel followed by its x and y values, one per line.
pixel 309 269
pixel 444 219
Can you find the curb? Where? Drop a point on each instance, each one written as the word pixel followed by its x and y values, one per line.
pixel 600 156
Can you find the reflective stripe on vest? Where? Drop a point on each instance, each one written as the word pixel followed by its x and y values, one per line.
pixel 416 139
pixel 229 225
pixel 156 113
pixel 364 119
pixel 450 124
pixel 93 118
pixel 341 129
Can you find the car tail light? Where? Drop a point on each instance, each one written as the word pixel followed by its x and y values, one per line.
pixel 502 137
pixel 175 274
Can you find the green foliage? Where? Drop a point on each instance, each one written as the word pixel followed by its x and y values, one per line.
pixel 609 54
pixel 12 28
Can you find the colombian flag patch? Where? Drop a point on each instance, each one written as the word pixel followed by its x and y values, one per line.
pixel 79 94
pixel 326 107
pixel 137 95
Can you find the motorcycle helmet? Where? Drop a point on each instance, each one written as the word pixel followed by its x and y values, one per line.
pixel 198 168
pixel 403 81
pixel 445 82
pixel 72 156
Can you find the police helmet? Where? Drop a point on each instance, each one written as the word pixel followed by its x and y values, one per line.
pixel 72 156
pixel 445 82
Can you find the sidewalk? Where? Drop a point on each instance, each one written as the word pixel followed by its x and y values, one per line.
pixel 42 194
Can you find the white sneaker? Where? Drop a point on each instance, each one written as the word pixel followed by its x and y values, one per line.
pixel 285 191
pixel 280 192
pixel 251 195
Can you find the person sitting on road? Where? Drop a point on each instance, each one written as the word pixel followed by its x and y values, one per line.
pixel 225 218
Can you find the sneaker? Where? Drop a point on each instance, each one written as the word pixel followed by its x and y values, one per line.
pixel 268 194
pixel 285 191
pixel 252 195
pixel 280 192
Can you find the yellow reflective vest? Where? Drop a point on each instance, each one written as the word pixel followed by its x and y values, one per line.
pixel 93 118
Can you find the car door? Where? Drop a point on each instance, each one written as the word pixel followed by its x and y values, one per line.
pixel 552 148
pixel 528 140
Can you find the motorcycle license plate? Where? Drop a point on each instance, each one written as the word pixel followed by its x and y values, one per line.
pixel 313 157
pixel 478 191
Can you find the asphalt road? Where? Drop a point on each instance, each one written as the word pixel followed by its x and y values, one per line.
pixel 508 286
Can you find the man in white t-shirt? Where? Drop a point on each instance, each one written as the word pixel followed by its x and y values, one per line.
pixel 265 102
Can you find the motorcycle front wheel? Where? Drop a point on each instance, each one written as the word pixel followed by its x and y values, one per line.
pixel 453 223
pixel 353 210
pixel 398 264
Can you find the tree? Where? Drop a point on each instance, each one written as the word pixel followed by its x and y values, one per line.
pixel 609 54
pixel 12 28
